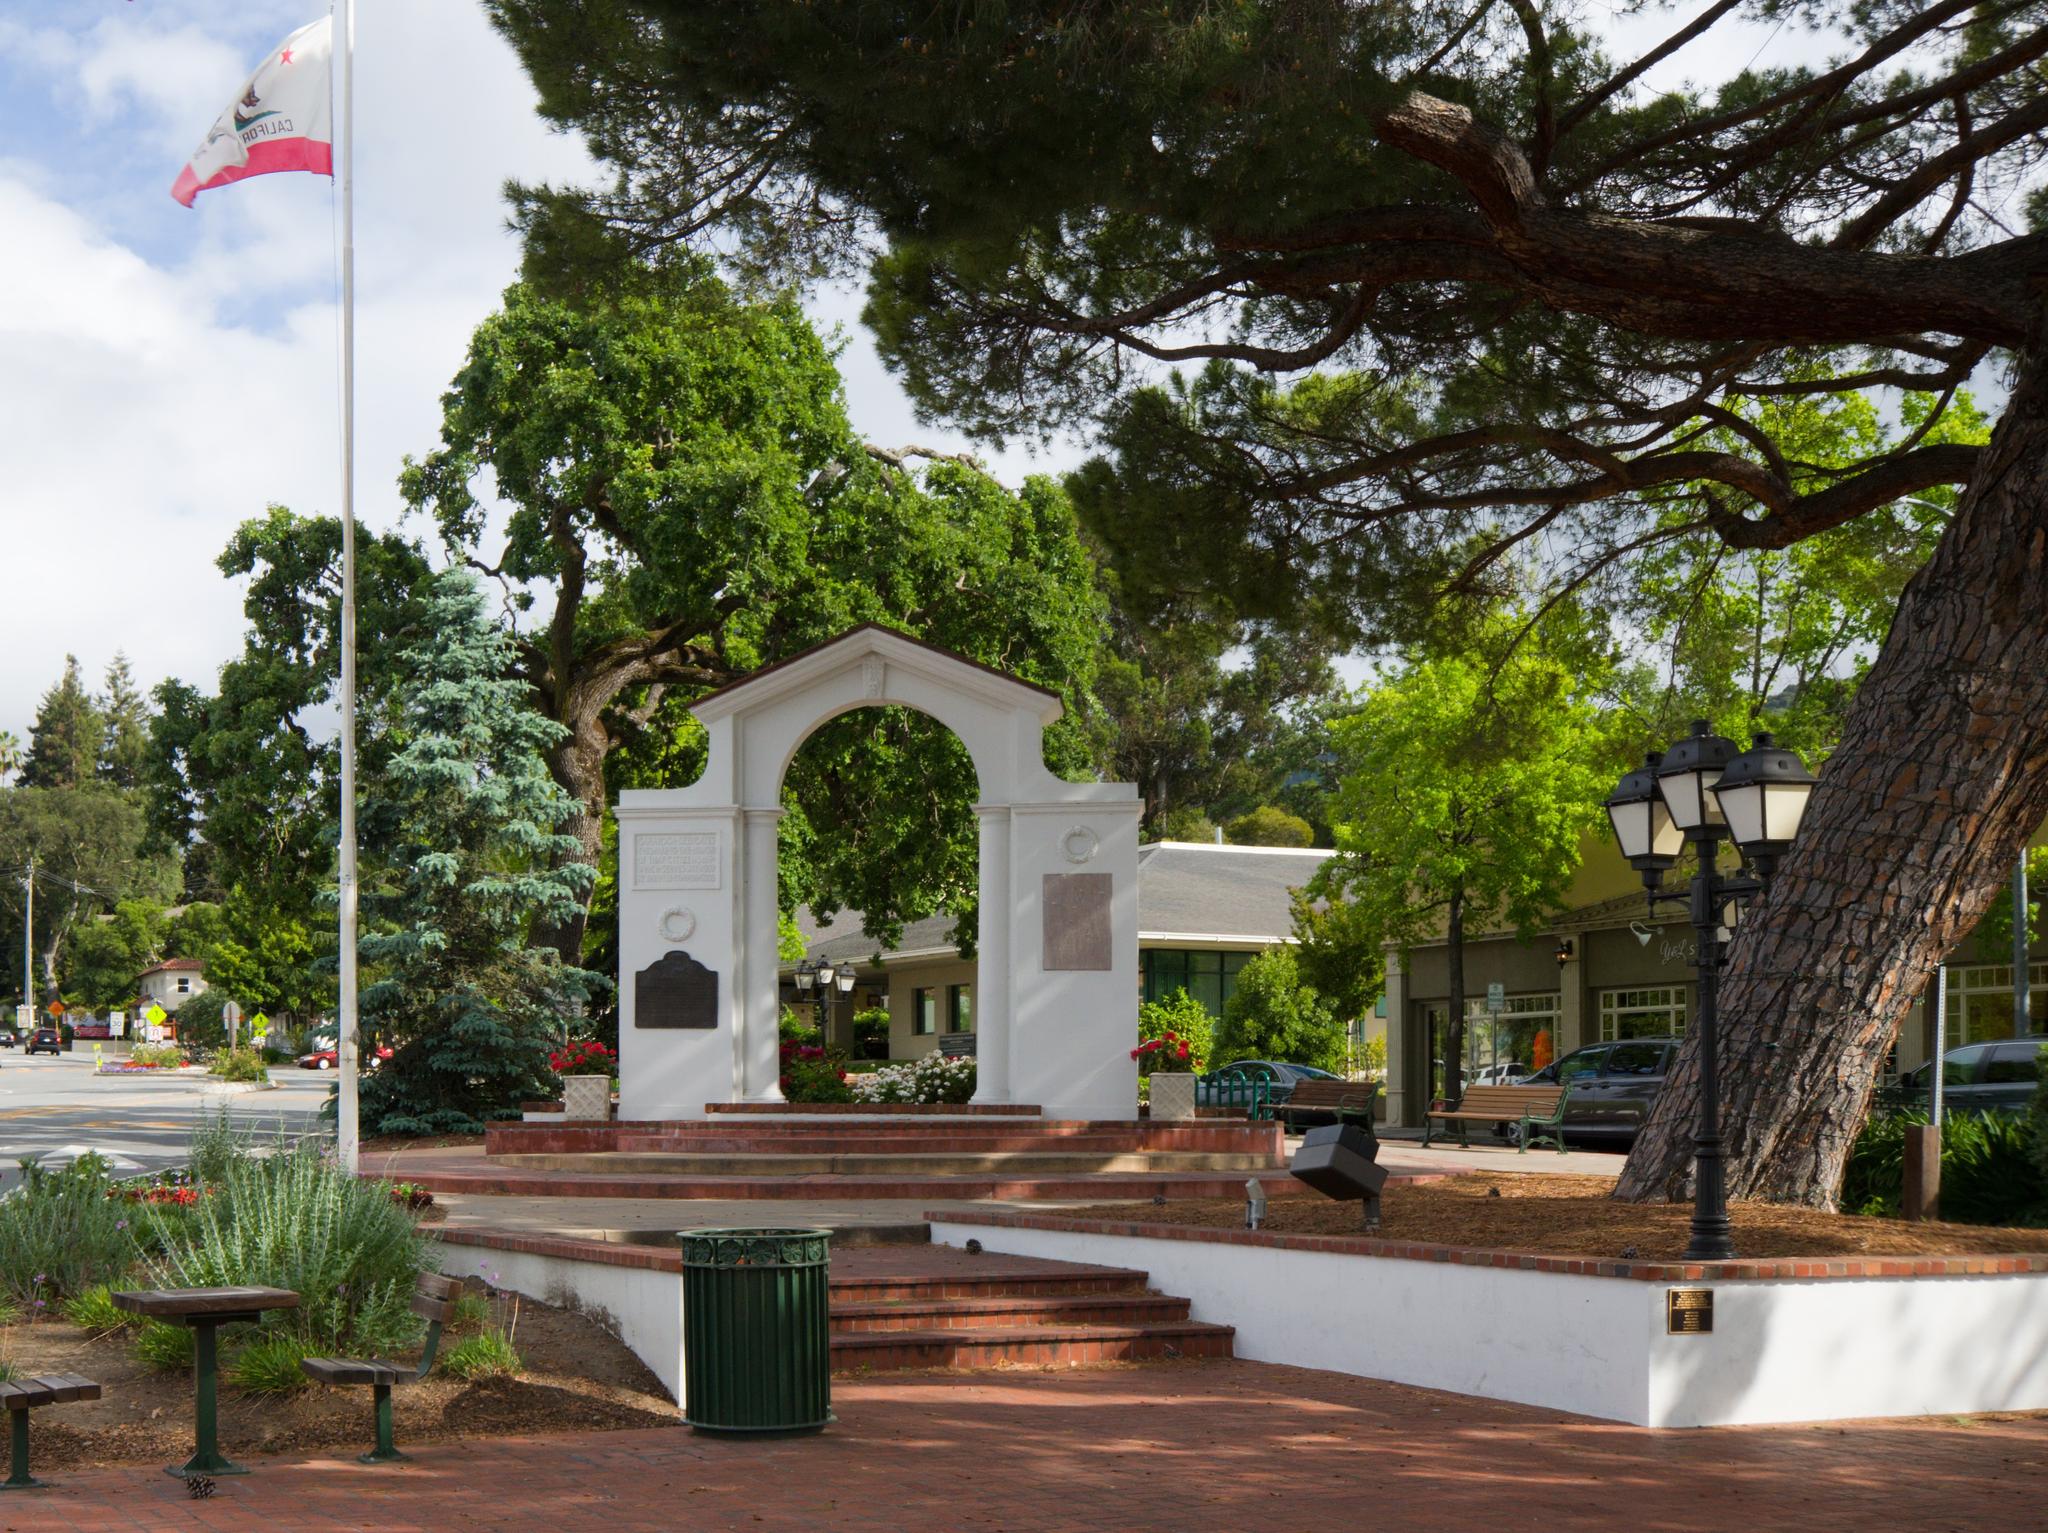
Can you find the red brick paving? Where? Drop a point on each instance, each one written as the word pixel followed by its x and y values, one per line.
pixel 1228 1446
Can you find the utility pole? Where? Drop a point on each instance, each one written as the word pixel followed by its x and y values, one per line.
pixel 2022 1014
pixel 28 942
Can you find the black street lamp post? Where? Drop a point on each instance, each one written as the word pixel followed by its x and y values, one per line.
pixel 826 977
pixel 1701 791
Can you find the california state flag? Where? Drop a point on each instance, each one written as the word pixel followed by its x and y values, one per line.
pixel 283 119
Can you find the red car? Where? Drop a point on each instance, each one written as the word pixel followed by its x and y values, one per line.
pixel 325 1059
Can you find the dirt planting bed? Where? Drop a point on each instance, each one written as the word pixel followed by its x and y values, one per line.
pixel 1575 1216
pixel 577 1378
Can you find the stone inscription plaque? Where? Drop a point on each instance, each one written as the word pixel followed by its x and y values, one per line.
pixel 675 991
pixel 685 860
pixel 1077 921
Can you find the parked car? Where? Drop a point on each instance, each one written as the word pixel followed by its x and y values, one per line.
pixel 1232 1085
pixel 1979 1077
pixel 44 1040
pixel 1506 1073
pixel 1613 1086
pixel 326 1059
pixel 9 1038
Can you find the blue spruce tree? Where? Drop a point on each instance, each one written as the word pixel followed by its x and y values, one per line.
pixel 465 859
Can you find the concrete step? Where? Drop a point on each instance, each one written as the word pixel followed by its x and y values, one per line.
pixel 1005 1163
pixel 506 1181
pixel 838 1110
pixel 1037 1346
pixel 992 1276
pixel 1005 1312
pixel 859 1135
pixel 954 1143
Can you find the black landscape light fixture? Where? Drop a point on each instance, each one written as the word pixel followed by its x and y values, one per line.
pixel 1341 1162
pixel 1708 793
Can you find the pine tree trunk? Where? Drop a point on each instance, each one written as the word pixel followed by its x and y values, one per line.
pixel 578 765
pixel 1940 779
pixel 1454 1026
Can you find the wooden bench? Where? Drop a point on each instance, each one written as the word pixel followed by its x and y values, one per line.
pixel 433 1300
pixel 1532 1107
pixel 20 1396
pixel 1347 1101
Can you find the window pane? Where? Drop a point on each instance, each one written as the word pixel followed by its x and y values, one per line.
pixel 960 1008
pixel 2010 1064
pixel 1584 1062
pixel 1636 1059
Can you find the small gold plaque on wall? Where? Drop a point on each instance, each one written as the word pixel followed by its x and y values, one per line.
pixel 1689 1311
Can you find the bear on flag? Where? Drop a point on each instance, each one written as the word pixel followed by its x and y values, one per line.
pixel 282 119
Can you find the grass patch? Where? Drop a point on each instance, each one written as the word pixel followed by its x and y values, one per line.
pixel 269 1364
pixel 472 1313
pixel 95 1311
pixel 239 1065
pixel 487 1355
pixel 164 1347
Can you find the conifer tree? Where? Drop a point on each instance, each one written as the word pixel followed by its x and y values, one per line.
pixel 64 744
pixel 466 856
pixel 124 717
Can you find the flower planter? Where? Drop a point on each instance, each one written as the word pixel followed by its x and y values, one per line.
pixel 587 1097
pixel 1173 1095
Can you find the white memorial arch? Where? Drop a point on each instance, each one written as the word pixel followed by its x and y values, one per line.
pixel 1056 991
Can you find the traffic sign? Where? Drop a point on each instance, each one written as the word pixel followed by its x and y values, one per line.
pixel 156 1016
pixel 1496 998
pixel 259 1027
pixel 55 1008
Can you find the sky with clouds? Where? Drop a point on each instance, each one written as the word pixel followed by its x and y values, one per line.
pixel 165 373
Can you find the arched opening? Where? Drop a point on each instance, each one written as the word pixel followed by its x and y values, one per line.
pixel 879 854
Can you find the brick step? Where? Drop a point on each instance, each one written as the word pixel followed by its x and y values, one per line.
pixel 506 1181
pixel 1029 1346
pixel 878 1109
pixel 853 1142
pixel 989 1279
pixel 1006 1312
pixel 1005 1163
pixel 769 1133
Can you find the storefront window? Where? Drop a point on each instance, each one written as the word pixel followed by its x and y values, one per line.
pixel 1210 977
pixel 924 1010
pixel 1980 1002
pixel 1521 1039
pixel 959 1008
pixel 1658 1011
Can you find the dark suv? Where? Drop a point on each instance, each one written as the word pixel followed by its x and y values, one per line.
pixel 1980 1078
pixel 44 1040
pixel 1613 1086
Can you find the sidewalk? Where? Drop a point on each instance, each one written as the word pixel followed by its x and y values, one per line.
pixel 1226 1446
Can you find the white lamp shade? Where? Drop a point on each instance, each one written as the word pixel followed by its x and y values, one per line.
pixel 1690 804
pixel 845 981
pixel 1763 793
pixel 1644 828
pixel 805 978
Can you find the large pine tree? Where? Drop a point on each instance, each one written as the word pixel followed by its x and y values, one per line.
pixel 64 745
pixel 465 857
pixel 124 720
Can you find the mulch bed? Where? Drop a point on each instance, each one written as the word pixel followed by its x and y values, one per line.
pixel 577 1378
pixel 1574 1216
pixel 379 1144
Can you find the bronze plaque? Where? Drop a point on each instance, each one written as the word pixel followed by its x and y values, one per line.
pixel 1689 1311
pixel 675 991
pixel 1077 920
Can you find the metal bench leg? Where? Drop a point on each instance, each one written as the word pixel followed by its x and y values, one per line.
pixel 386 1451
pixel 17 1459
pixel 1522 1139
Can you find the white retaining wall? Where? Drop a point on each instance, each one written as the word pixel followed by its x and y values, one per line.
pixel 1796 1350
pixel 642 1306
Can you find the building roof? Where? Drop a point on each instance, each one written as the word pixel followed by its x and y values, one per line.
pixel 1188 891
pixel 173 966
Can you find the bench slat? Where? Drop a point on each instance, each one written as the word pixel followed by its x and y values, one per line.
pixel 434 1285
pixel 347 1370
pixel 429 1308
pixel 24 1395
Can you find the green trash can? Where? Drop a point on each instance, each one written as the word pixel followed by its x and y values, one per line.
pixel 757 1351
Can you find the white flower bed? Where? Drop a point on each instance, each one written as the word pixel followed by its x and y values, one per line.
pixel 930 1080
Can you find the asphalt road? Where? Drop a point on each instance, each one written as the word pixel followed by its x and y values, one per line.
pixel 55 1107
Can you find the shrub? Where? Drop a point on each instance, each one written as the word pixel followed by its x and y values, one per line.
pixel 586 1056
pixel 794 1029
pixel 294 1220
pixel 60 1233
pixel 472 1312
pixel 269 1364
pixel 93 1310
pixel 1273 1015
pixel 487 1355
pixel 1186 823
pixel 217 1146
pixel 1989 1174
pixel 157 1056
pixel 813 1074
pixel 932 1079
pixel 200 1018
pixel 239 1065
pixel 1180 1031
pixel 164 1347
pixel 1270 826
pixel 871 1033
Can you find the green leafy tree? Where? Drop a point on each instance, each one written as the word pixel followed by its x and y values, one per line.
pixel 11 756
pixel 1273 1014
pixel 88 845
pixel 463 826
pixel 1531 275
pixel 124 720
pixel 1270 825
pixel 270 960
pixel 1184 823
pixel 1468 788
pixel 1338 946
pixel 66 739
pixel 109 952
pixel 195 930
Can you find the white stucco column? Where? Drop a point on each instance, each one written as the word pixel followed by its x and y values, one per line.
pixel 760 1013
pixel 992 961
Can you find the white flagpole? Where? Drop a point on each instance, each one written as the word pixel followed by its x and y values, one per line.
pixel 347 1134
